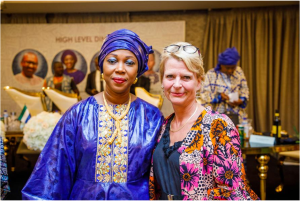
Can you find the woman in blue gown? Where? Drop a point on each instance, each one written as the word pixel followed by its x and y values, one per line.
pixel 101 148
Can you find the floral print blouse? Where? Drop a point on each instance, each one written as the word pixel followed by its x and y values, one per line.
pixel 211 163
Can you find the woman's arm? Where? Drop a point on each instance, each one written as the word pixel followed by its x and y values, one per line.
pixel 229 172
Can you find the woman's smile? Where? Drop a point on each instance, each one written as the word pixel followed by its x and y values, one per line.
pixel 119 80
pixel 177 94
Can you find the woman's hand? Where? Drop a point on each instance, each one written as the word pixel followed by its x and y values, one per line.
pixel 224 97
pixel 235 103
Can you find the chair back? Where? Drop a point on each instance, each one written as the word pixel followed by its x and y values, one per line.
pixel 153 99
pixel 34 101
pixel 61 99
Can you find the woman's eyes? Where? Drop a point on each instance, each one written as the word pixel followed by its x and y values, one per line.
pixel 186 77
pixel 183 77
pixel 114 61
pixel 169 76
pixel 129 62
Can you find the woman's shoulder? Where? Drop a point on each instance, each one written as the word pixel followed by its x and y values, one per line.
pixel 80 106
pixel 145 105
pixel 213 117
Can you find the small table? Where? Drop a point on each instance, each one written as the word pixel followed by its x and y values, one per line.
pixel 263 159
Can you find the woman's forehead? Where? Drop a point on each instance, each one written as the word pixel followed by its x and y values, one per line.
pixel 122 52
pixel 173 64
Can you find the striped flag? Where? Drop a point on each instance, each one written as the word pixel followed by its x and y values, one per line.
pixel 25 115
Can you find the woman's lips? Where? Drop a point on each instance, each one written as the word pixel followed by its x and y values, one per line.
pixel 119 80
pixel 177 94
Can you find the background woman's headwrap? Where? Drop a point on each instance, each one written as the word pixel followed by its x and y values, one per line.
pixel 126 40
pixel 68 52
pixel 229 57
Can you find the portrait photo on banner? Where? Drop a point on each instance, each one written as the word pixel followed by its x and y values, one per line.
pixel 74 64
pixel 29 67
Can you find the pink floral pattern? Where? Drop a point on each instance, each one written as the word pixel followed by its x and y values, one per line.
pixel 189 177
pixel 206 161
pixel 211 163
pixel 229 174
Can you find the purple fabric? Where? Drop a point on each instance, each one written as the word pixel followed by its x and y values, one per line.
pixel 229 57
pixel 66 167
pixel 78 76
pixel 68 52
pixel 126 40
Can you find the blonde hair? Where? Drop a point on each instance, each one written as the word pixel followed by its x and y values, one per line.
pixel 193 62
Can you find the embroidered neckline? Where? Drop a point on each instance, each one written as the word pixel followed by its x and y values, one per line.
pixel 117 121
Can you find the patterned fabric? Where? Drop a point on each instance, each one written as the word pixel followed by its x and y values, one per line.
pixel 215 84
pixel 211 164
pixel 4 176
pixel 67 166
pixel 112 159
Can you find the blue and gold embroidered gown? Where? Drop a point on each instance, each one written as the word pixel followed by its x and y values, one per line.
pixel 78 163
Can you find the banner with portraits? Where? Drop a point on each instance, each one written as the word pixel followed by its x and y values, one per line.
pixel 30 51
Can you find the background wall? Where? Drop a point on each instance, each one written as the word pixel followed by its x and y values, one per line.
pixel 198 25
pixel 51 39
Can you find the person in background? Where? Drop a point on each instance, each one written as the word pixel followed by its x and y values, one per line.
pixel 94 83
pixel 225 81
pixel 60 82
pixel 69 59
pixel 101 147
pixel 198 154
pixel 29 65
pixel 155 84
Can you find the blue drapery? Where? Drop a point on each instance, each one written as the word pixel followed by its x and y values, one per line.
pixel 66 166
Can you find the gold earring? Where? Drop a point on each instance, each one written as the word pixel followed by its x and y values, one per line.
pixel 102 77
pixel 135 81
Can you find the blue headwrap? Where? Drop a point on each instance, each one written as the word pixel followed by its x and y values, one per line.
pixel 126 40
pixel 229 57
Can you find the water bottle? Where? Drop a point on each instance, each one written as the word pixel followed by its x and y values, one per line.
pixel 5 116
pixel 246 127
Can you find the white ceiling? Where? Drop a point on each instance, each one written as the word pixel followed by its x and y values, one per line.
pixel 127 6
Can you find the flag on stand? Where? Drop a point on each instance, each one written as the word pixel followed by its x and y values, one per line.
pixel 25 115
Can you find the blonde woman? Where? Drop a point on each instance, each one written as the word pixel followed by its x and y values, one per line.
pixel 198 154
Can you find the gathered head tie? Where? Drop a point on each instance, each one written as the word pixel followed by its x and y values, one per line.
pixel 125 39
pixel 229 57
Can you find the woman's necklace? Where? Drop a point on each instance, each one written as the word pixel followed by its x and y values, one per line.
pixel 185 122
pixel 117 121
